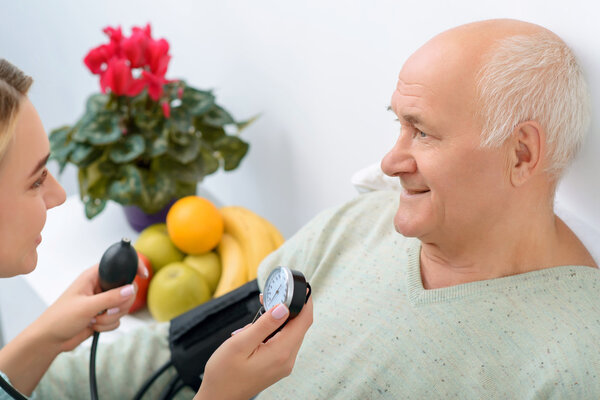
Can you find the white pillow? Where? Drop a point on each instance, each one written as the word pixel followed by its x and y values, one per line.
pixel 372 178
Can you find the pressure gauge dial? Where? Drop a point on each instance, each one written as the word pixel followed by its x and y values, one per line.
pixel 285 286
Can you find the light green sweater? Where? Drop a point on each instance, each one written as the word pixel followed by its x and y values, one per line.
pixel 378 334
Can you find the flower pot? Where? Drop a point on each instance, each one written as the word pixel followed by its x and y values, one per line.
pixel 139 220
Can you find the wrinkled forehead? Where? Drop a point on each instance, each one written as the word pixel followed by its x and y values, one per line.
pixel 446 65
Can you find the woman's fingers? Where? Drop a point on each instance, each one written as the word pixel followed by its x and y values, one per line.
pixel 108 307
pixel 252 336
pixel 296 328
pixel 106 327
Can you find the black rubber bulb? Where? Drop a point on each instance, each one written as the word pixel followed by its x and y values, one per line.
pixel 118 265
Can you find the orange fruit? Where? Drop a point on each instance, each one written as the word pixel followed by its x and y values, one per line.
pixel 194 224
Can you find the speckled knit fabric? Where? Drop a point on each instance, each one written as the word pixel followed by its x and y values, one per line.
pixel 377 334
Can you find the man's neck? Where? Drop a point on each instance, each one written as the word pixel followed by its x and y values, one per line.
pixel 533 245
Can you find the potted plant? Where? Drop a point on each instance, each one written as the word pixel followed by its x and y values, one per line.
pixel 144 141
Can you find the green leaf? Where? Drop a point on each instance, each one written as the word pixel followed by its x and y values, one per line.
pixel 157 146
pixel 147 120
pixel 232 149
pixel 181 137
pixel 128 187
pixel 196 102
pixel 185 153
pixel 100 188
pixel 61 146
pixel 159 190
pixel 89 176
pixel 83 155
pixel 210 163
pixel 99 129
pixel 209 133
pixel 191 172
pixel 183 189
pixel 97 103
pixel 127 150
pixel 244 124
pixel 107 167
pixel 93 206
pixel 217 117
pixel 180 120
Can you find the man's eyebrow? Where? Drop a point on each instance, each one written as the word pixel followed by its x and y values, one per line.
pixel 40 165
pixel 410 118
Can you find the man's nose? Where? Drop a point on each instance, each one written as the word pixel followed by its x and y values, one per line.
pixel 399 160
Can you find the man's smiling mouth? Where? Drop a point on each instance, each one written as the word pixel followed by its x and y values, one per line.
pixel 414 192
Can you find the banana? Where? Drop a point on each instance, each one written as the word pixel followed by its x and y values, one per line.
pixel 276 236
pixel 233 261
pixel 251 232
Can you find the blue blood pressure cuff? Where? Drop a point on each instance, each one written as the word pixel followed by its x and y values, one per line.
pixel 195 335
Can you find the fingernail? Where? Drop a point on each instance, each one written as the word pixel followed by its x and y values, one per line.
pixel 279 312
pixel 127 291
pixel 145 272
pixel 237 331
pixel 112 311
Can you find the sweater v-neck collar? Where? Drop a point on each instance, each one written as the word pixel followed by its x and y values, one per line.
pixel 418 295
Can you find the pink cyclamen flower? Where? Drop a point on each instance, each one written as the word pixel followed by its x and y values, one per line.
pixel 166 108
pixel 98 57
pixel 119 79
pixel 135 47
pixel 155 84
pixel 115 34
pixel 157 56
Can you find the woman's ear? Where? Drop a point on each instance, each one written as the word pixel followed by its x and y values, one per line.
pixel 527 150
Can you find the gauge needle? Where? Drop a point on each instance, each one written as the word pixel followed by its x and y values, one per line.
pixel 277 291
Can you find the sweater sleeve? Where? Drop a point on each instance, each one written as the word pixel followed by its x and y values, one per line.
pixel 122 367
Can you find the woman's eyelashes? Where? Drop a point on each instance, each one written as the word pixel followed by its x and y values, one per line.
pixel 40 181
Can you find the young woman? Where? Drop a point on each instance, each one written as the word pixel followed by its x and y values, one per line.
pixel 237 370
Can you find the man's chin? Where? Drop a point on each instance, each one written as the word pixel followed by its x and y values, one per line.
pixel 406 229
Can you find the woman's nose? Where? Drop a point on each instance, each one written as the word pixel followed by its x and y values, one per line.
pixel 399 160
pixel 55 195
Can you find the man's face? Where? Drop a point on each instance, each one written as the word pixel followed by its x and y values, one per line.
pixel 452 187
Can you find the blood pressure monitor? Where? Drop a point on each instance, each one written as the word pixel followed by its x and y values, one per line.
pixel 285 286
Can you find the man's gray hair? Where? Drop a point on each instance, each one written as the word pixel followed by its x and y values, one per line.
pixel 535 77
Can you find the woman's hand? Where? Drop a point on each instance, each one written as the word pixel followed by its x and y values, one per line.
pixel 83 308
pixel 77 313
pixel 243 365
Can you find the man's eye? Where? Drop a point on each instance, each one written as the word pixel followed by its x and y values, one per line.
pixel 422 134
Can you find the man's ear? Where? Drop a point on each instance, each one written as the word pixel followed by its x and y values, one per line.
pixel 526 151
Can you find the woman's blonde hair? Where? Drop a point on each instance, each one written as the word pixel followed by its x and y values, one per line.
pixel 14 85
pixel 535 77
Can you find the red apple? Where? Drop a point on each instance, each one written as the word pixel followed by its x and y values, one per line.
pixel 142 284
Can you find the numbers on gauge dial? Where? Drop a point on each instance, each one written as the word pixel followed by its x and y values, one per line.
pixel 275 290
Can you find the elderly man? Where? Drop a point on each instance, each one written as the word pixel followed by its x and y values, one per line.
pixel 485 293
pixel 480 291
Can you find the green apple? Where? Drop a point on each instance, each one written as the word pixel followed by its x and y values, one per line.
pixel 155 244
pixel 208 265
pixel 175 289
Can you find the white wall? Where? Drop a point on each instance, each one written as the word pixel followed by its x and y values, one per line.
pixel 320 72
